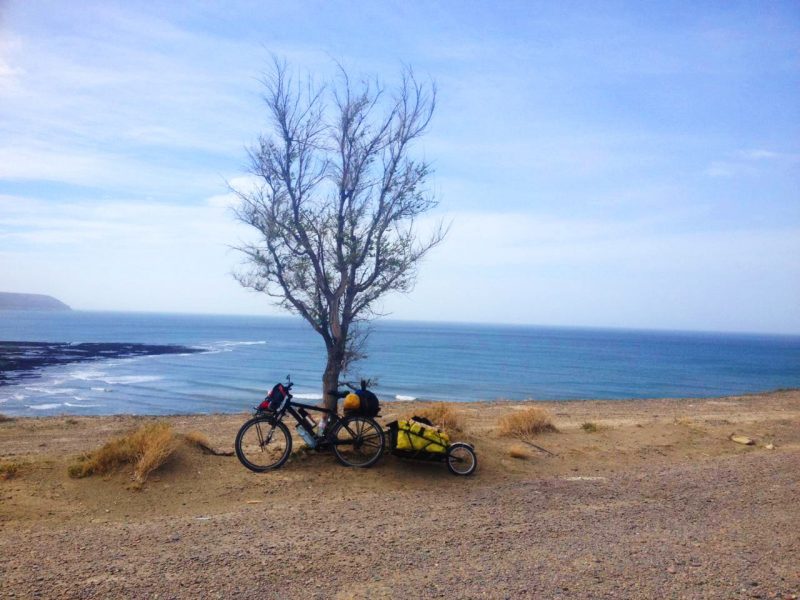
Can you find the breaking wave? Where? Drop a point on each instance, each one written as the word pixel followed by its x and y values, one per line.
pixel 131 379
pixel 307 396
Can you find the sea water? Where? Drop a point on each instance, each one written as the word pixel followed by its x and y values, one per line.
pixel 244 356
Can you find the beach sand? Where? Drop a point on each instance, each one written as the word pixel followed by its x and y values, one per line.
pixel 657 502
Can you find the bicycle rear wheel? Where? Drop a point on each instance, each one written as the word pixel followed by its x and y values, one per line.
pixel 358 441
pixel 263 444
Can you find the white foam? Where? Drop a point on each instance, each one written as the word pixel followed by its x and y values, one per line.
pixel 87 375
pixel 307 396
pixel 131 379
pixel 44 406
pixel 228 346
pixel 102 389
pixel 73 405
pixel 50 390
pixel 405 398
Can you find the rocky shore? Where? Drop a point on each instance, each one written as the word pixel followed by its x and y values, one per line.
pixel 22 360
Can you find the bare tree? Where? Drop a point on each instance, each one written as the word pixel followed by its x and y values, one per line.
pixel 336 202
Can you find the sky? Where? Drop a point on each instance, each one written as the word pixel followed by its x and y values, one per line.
pixel 615 164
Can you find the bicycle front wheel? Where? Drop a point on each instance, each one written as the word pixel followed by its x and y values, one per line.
pixel 263 444
pixel 358 441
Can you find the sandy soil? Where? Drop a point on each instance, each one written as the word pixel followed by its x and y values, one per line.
pixel 657 503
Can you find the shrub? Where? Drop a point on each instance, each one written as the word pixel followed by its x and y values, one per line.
pixel 589 427
pixel 4 418
pixel 154 446
pixel 442 414
pixel 9 470
pixel 146 449
pixel 527 422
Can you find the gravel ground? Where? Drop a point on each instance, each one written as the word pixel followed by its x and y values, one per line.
pixel 659 503
pixel 729 528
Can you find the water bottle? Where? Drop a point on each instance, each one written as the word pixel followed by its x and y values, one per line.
pixel 307 437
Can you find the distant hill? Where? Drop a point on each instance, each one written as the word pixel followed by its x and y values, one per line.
pixel 10 301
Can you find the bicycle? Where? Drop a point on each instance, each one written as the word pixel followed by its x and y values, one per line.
pixel 264 442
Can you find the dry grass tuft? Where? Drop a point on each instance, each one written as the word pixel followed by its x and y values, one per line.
pixel 195 438
pixel 155 446
pixel 526 423
pixel 519 451
pixel 590 427
pixel 199 440
pixel 146 449
pixel 443 415
pixel 9 470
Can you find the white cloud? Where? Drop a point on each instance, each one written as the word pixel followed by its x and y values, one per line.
pixel 127 256
pixel 751 162
pixel 538 269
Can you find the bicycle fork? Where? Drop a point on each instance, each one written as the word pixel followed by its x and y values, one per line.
pixel 261 441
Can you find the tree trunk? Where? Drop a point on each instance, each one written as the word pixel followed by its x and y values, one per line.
pixel 330 379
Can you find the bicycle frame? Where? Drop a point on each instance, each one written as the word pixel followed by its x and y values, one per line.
pixel 290 407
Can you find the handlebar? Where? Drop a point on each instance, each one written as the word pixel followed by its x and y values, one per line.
pixel 342 393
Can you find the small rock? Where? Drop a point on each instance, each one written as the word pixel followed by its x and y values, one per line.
pixel 742 439
pixel 671 570
pixel 770 446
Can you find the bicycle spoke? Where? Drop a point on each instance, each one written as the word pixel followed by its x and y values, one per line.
pixel 372 440
pixel 263 445
pixel 360 442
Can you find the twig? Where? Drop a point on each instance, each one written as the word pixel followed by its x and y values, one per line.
pixel 538 447
pixel 210 450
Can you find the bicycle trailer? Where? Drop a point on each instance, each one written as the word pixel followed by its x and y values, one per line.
pixel 418 439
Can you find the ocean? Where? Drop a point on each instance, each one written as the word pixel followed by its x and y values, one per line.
pixel 242 357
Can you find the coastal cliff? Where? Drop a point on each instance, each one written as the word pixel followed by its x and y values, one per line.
pixel 12 301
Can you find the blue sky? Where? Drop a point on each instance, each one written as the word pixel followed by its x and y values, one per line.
pixel 607 164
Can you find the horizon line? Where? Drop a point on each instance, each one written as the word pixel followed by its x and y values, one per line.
pixel 449 322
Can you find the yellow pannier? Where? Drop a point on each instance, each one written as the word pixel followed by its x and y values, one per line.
pixel 351 402
pixel 413 436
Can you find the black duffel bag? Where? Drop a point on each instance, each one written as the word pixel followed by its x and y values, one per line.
pixel 362 402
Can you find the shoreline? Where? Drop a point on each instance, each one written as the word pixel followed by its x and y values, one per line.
pixel 418 401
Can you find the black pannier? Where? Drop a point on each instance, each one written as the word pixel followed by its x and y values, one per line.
pixel 362 402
